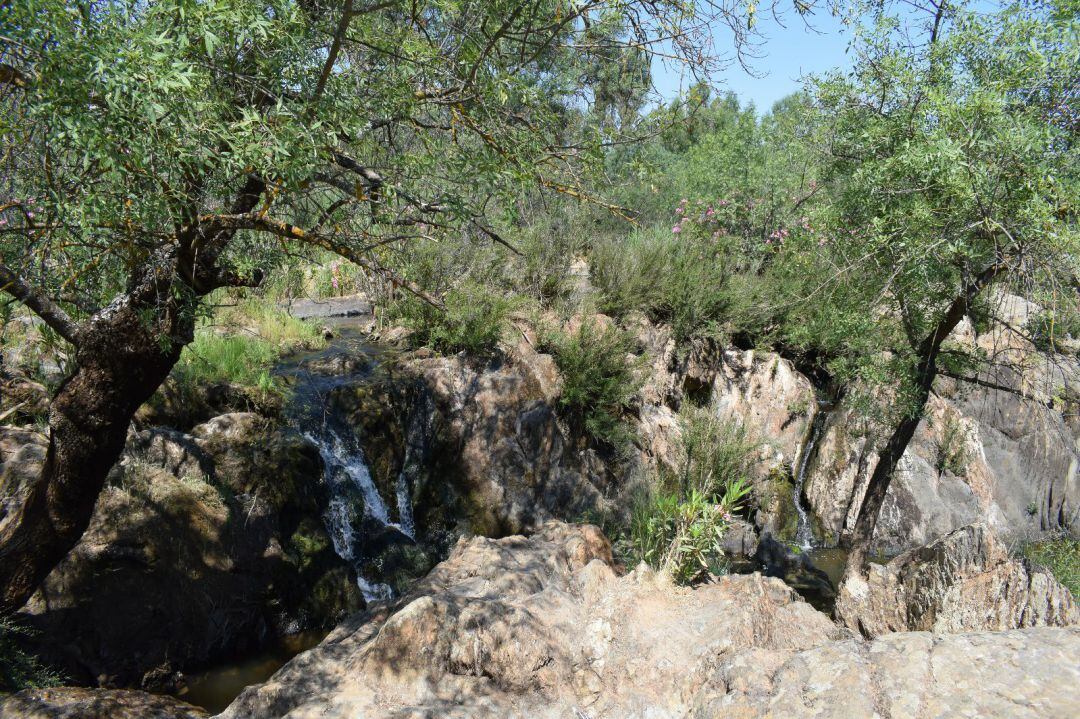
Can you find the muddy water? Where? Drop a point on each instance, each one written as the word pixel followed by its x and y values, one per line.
pixel 215 688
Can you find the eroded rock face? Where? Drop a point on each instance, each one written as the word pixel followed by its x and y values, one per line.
pixel 200 545
pixel 543 627
pixel 77 703
pixel 482 446
pixel 964 581
pixel 538 627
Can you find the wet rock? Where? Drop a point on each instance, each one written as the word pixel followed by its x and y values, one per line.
pixel 796 569
pixel 78 703
pixel 200 545
pixel 962 582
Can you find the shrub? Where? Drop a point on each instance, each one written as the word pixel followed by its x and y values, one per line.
pixel 679 279
pixel 680 529
pixel 474 321
pixel 20 669
pixel 951 452
pixel 1061 556
pixel 598 379
pixel 1050 331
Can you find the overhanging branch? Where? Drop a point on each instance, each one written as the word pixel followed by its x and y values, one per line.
pixel 50 313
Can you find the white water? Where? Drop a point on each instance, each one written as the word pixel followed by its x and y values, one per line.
pixel 804 536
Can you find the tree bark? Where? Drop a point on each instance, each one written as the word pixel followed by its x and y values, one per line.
pixel 120 363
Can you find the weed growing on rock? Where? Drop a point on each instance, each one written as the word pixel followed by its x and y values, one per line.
pixel 1060 555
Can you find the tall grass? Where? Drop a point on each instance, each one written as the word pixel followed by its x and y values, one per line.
pixel 1060 555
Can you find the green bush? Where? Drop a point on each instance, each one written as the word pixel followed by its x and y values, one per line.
pixel 676 278
pixel 474 321
pixel 1049 331
pixel 952 454
pixel 19 669
pixel 680 529
pixel 598 379
pixel 1060 555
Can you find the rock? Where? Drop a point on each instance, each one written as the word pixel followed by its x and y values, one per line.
pixel 78 703
pixel 537 627
pixel 22 454
pixel 797 571
pixel 1011 675
pixel 962 582
pixel 305 308
pixel 200 545
pixel 740 539
pixel 542 627
pixel 482 447
pixel 1004 452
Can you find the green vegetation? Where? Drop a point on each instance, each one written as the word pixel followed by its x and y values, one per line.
pixel 952 454
pixel 20 669
pixel 679 525
pixel 473 321
pixel 1061 555
pixel 598 377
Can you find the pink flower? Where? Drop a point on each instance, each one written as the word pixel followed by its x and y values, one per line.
pixel 709 212
pixel 30 215
pixel 3 223
pixel 334 282
pixel 676 230
pixel 679 210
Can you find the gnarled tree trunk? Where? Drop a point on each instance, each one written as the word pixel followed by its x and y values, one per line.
pixel 120 363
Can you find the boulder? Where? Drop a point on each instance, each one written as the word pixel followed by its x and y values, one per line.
pixel 962 582
pixel 539 627
pixel 542 627
pixel 200 545
pixel 78 703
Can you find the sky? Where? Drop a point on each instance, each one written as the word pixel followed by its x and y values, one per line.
pixel 786 54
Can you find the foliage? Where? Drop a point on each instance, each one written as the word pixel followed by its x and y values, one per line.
pixel 1050 331
pixel 474 321
pixel 1061 555
pixel 951 452
pixel 20 669
pixel 598 378
pixel 680 529
pixel 241 345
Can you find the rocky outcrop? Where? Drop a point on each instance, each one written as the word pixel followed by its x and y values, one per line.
pixel 201 544
pixel 76 703
pixel 481 445
pixel 542 627
pixel 1002 450
pixel 1010 675
pixel 538 627
pixel 962 582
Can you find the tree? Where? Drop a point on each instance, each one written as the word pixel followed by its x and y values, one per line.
pixel 950 174
pixel 155 152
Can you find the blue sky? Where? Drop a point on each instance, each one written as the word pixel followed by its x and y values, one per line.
pixel 785 55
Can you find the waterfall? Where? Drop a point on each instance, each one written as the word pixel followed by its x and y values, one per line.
pixel 355 505
pixel 804 533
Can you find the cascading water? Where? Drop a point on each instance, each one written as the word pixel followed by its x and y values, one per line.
pixel 355 502
pixel 804 533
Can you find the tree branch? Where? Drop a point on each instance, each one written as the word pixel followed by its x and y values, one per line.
pixel 51 313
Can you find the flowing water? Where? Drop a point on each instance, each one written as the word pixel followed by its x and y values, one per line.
pixel 355 509
pixel 804 533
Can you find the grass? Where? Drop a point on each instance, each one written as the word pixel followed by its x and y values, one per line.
pixel 1061 556
pixel 242 345
pixel 20 669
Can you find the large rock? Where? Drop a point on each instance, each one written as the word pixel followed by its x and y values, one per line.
pixel 77 703
pixel 964 581
pixel 200 545
pixel 537 627
pixel 542 627
pixel 1003 451
pixel 482 446
pixel 1011 675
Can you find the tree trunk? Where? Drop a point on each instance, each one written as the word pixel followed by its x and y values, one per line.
pixel 120 364
pixel 925 374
